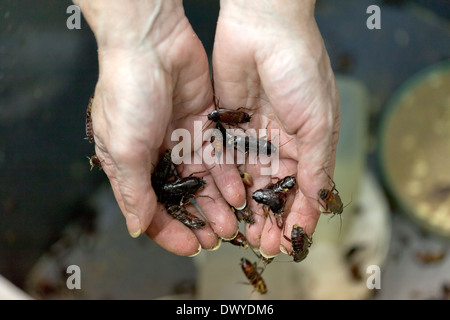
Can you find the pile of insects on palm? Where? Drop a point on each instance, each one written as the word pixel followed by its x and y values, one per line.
pixel 176 193
pixel 273 196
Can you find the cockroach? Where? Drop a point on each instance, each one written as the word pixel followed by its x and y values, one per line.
pixel 283 185
pixel 332 202
pixel 274 196
pixel 89 128
pixel 218 143
pixel 95 162
pixel 174 192
pixel 245 214
pixel 246 144
pixel 275 201
pixel 428 257
pixel 181 214
pixel 164 171
pixel 265 261
pixel 254 277
pixel 300 243
pixel 247 179
pixel 228 116
pixel 227 137
pixel 239 240
pixel 181 189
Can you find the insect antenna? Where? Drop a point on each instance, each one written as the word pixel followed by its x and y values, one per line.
pixel 195 204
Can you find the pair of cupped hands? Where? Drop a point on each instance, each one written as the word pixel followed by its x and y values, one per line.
pixel 154 78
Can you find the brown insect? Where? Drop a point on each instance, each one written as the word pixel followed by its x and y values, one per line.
pixel 274 197
pixel 254 277
pixel 240 240
pixel 247 179
pixel 331 201
pixel 300 243
pixel 228 116
pixel 245 215
pixel 265 260
pixel 217 143
pixel 431 256
pixel 181 214
pixel 89 128
pixel 95 162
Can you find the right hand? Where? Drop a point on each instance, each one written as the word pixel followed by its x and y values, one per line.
pixel 154 78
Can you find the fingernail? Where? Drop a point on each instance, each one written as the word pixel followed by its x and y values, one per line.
pixel 283 249
pixel 232 237
pixel 135 234
pixel 198 251
pixel 133 224
pixel 242 207
pixel 267 256
pixel 217 246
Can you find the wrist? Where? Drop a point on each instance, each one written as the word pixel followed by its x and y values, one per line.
pixel 287 8
pixel 124 24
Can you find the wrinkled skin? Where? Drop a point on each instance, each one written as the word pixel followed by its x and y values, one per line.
pixel 154 78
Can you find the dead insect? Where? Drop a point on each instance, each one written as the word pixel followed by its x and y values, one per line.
pixel 95 162
pixel 245 215
pixel 254 277
pixel 300 243
pixel 247 179
pixel 89 128
pixel 181 214
pixel 239 240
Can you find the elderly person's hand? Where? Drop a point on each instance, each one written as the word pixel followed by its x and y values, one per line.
pixel 269 57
